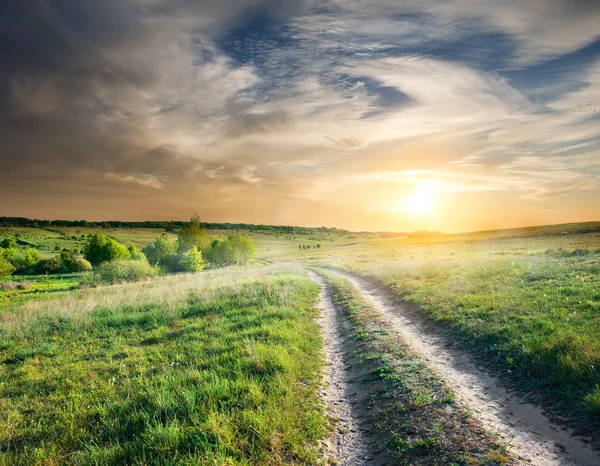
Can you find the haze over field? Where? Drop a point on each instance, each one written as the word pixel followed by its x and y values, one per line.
pixel 370 115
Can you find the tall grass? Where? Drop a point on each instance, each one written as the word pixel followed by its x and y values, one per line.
pixel 214 368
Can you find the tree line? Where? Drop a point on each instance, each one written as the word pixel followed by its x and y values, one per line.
pixel 191 251
pixel 171 225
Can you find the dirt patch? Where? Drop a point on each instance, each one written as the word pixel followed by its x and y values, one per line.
pixel 533 437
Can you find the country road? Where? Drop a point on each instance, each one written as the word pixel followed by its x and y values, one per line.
pixel 533 438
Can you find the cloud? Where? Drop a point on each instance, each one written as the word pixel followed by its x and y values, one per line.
pixel 260 106
pixel 143 179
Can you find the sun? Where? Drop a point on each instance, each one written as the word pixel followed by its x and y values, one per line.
pixel 421 200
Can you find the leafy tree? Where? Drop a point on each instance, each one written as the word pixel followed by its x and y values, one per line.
pixel 235 249
pixel 6 268
pixel 67 259
pixel 162 252
pixel 220 252
pixel 135 254
pixel 243 248
pixel 193 234
pixel 31 257
pixel 191 260
pixel 101 248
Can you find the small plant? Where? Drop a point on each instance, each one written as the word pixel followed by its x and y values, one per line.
pixel 592 401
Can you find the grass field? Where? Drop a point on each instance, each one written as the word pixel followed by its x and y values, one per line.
pixel 213 368
pixel 102 363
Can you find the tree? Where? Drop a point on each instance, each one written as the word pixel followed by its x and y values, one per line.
pixel 220 252
pixel 6 268
pixel 235 249
pixel 135 254
pixel 243 248
pixel 193 234
pixel 162 251
pixel 31 256
pixel 191 260
pixel 101 248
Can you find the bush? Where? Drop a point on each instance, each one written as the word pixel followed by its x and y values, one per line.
pixel 8 286
pixel 124 270
pixel 80 265
pixel 191 260
pixel 8 243
pixel 101 248
pixel 48 266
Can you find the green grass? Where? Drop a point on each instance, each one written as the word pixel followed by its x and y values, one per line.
pixel 38 287
pixel 214 368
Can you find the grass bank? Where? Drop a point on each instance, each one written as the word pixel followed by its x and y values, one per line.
pixel 413 411
pixel 213 368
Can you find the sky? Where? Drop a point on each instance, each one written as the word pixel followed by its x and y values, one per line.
pixel 401 115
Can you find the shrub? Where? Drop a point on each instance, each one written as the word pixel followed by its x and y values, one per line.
pixel 8 243
pixel 101 248
pixel 124 270
pixel 191 260
pixel 8 286
pixel 80 265
pixel 48 266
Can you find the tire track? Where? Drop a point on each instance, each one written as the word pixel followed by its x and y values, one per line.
pixel 532 435
pixel 347 446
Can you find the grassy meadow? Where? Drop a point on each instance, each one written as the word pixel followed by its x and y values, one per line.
pixel 213 368
pixel 527 300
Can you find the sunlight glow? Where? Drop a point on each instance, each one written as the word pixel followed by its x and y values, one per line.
pixel 421 200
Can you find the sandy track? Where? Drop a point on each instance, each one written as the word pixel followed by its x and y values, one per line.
pixel 348 445
pixel 534 439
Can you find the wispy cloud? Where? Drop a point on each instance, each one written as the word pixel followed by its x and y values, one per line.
pixel 259 103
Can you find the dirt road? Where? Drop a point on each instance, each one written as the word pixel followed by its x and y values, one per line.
pixel 533 437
